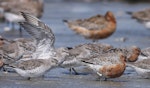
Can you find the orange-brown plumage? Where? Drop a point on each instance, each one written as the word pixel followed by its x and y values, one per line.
pixel 131 53
pixel 135 55
pixel 115 70
pixel 108 65
pixel 96 27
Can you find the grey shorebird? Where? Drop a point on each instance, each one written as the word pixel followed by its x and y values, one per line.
pixel 45 56
pixel 108 65
pixel 142 16
pixel 83 51
pixel 145 54
pixel 16 48
pixel 142 67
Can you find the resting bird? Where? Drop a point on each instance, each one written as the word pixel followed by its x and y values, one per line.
pixel 108 65
pixel 83 51
pixel 96 27
pixel 131 53
pixel 142 16
pixel 142 67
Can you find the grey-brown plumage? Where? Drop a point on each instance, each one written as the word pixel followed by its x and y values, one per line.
pixel 108 65
pixel 142 67
pixel 131 53
pixel 12 10
pixel 142 16
pixel 145 53
pixel 96 27
pixel 83 51
pixel 44 57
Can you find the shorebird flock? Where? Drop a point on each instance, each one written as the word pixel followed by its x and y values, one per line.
pixel 35 56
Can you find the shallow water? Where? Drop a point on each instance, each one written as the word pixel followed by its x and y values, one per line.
pixel 134 32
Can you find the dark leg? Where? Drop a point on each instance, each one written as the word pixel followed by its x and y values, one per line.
pixel 72 69
pixel 29 78
pixel 4 69
pixel 76 73
pixel 105 79
pixel 20 31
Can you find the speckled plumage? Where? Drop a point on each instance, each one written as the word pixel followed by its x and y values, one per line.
pixel 131 53
pixel 108 65
pixel 44 57
pixel 145 53
pixel 83 51
pixel 86 50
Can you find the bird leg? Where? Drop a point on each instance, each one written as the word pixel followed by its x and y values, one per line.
pixel 29 78
pixel 100 76
pixel 20 31
pixel 72 69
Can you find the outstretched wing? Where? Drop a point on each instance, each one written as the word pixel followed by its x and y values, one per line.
pixel 35 21
pixel 36 28
pixel 38 33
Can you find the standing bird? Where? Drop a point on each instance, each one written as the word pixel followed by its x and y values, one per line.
pixel 13 50
pixel 108 65
pixel 142 16
pixel 44 57
pixel 83 51
pixel 96 27
pixel 17 48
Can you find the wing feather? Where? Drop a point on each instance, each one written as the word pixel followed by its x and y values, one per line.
pixel 38 33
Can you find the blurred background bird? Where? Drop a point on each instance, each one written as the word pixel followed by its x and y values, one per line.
pixel 10 11
pixel 142 16
pixel 96 27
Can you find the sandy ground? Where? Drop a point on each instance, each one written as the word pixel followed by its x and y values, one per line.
pixel 134 33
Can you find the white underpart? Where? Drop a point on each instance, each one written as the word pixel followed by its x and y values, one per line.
pixel 147 24
pixel 95 67
pixel 13 17
pixel 142 57
pixel 71 63
pixel 141 71
pixel 44 51
pixel 33 72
